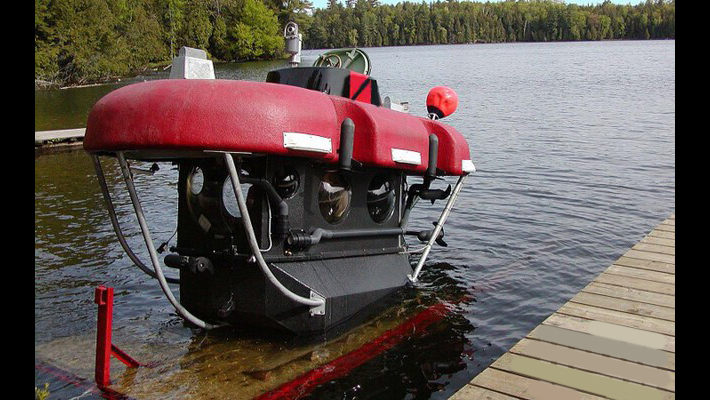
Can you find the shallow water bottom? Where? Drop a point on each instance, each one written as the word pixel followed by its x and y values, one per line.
pixel 228 363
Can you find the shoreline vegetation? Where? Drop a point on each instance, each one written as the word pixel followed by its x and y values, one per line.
pixel 80 42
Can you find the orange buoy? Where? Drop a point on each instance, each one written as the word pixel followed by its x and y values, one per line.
pixel 441 101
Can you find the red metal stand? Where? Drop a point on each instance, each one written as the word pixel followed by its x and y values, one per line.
pixel 103 296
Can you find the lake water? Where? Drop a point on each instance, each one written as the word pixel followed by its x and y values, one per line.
pixel 575 149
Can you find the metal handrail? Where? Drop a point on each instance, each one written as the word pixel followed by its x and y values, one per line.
pixel 439 225
pixel 125 170
pixel 117 227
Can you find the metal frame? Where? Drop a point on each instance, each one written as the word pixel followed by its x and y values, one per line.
pixel 125 170
pixel 315 300
pixel 437 229
pixel 117 226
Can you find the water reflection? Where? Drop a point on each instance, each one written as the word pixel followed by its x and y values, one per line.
pixel 69 108
pixel 425 362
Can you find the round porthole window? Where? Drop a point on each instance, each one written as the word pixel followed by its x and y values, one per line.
pixel 197 181
pixel 229 199
pixel 286 182
pixel 380 198
pixel 203 190
pixel 334 197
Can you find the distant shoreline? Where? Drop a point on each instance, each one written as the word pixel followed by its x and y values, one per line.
pixel 47 85
pixel 483 42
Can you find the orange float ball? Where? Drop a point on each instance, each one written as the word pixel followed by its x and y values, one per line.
pixel 442 101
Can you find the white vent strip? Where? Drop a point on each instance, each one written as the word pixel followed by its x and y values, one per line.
pixel 307 142
pixel 467 166
pixel 406 156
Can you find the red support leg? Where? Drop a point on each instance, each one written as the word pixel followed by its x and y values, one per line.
pixel 103 296
pixel 123 357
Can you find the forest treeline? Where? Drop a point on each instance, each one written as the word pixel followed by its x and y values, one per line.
pixel 78 41
pixel 366 23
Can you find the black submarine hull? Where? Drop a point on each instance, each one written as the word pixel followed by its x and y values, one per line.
pixel 242 296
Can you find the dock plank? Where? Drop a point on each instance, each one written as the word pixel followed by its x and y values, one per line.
pixel 656 276
pixel 59 135
pixel 610 347
pixel 622 333
pixel 649 256
pixel 655 248
pixel 662 234
pixel 635 283
pixel 665 228
pixel 646 264
pixel 630 294
pixel 520 387
pixel 614 339
pixel 659 241
pixel 618 318
pixel 577 379
pixel 596 363
pixel 627 306
pixel 471 392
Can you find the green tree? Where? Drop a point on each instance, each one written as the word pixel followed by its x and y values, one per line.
pixel 172 18
pixel 256 35
pixel 197 25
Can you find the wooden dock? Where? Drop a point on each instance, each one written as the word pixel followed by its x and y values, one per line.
pixel 59 137
pixel 615 339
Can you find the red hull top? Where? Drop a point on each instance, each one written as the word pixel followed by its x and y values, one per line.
pixel 169 119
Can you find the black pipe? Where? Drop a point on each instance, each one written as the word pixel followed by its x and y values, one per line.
pixel 433 155
pixel 281 225
pixel 347 137
pixel 303 240
pixel 194 264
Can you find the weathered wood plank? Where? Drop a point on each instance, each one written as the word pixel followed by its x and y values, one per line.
pixel 647 255
pixel 472 392
pixel 626 334
pixel 58 135
pixel 646 264
pixel 665 227
pixel 525 388
pixel 577 379
pixel 615 338
pixel 605 346
pixel 655 248
pixel 627 306
pixel 662 234
pixel 634 283
pixel 655 276
pixel 631 294
pixel 659 241
pixel 619 318
pixel 596 363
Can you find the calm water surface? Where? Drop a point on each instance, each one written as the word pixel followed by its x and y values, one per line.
pixel 575 149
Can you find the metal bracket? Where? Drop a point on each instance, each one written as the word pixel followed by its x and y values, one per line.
pixel 438 227
pixel 317 310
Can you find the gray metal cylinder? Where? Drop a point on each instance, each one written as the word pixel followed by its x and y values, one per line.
pixel 433 155
pixel 347 137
